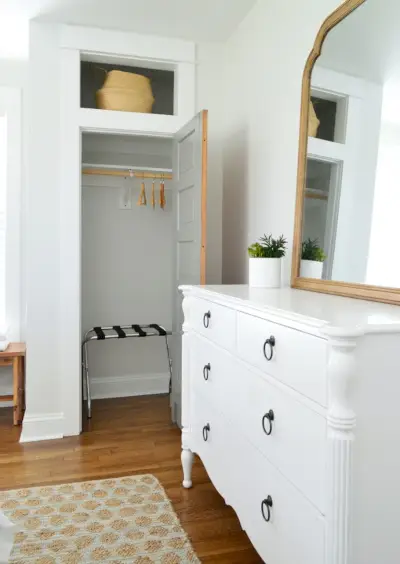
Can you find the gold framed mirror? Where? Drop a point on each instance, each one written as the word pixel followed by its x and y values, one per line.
pixel 347 218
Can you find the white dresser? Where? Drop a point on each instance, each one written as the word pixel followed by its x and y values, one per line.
pixel 292 401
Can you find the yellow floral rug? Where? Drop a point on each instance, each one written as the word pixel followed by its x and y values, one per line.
pixel 113 521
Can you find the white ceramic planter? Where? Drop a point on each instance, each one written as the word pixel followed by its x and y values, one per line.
pixel 265 272
pixel 311 269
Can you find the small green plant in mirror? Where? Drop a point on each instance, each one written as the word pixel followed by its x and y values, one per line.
pixel 268 247
pixel 310 250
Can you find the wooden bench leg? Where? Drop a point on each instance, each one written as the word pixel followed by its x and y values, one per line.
pixel 18 387
pixel 23 385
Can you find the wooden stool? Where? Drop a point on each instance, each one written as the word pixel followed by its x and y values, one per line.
pixel 14 356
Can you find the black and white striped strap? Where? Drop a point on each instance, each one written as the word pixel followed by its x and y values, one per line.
pixel 139 330
pixel 120 332
pixel 99 333
pixel 162 332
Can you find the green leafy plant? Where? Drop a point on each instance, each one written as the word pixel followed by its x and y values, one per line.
pixel 310 250
pixel 268 247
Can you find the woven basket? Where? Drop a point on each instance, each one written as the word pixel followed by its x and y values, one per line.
pixel 125 92
pixel 313 122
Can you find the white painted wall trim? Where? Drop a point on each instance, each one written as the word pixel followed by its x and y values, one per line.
pixel 43 393
pixel 54 316
pixel 127 44
pixel 73 120
pixel 327 80
pixel 42 427
pixel 130 385
pixel 100 121
pixel 11 106
pixel 69 366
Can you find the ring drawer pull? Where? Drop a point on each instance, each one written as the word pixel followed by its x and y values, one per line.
pixel 206 371
pixel 266 505
pixel 271 343
pixel 270 416
pixel 206 430
pixel 206 319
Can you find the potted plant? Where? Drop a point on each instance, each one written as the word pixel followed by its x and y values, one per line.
pixel 312 259
pixel 265 260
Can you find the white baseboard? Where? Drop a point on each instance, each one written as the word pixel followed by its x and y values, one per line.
pixel 42 427
pixel 47 426
pixel 130 385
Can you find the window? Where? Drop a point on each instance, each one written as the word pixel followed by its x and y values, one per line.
pixel 10 211
pixel 3 203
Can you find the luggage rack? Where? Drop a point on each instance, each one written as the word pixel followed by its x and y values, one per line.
pixel 119 332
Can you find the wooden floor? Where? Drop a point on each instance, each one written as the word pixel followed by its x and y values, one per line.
pixel 130 436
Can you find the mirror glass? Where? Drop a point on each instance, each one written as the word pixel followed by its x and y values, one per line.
pixel 351 208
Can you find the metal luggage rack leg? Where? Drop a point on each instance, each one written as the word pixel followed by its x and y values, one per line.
pixel 119 332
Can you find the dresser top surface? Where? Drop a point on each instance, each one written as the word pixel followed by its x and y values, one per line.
pixel 331 314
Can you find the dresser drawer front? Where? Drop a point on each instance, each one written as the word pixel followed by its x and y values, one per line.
pixel 210 441
pixel 217 323
pixel 210 371
pixel 297 359
pixel 290 434
pixel 287 432
pixel 295 532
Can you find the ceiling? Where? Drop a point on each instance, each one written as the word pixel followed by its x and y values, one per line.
pixel 196 20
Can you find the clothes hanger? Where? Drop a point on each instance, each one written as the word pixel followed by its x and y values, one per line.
pixel 162 193
pixel 142 201
pixel 153 197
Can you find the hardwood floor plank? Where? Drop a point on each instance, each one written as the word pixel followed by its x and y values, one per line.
pixel 130 436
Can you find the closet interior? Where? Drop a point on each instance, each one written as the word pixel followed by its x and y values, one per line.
pixel 127 258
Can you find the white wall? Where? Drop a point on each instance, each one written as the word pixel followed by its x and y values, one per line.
pixel 13 72
pixel 264 63
pixel 127 266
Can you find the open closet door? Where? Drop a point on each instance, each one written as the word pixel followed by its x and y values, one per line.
pixel 190 208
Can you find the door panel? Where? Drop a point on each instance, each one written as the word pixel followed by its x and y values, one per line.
pixel 190 188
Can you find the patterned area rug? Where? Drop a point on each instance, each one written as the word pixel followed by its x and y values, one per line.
pixel 114 521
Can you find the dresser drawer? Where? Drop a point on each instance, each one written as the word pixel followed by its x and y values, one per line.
pixel 244 478
pixel 295 531
pixel 290 434
pixel 210 441
pixel 297 359
pixel 210 371
pixel 217 323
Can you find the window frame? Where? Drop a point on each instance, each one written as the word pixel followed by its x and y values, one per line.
pixel 11 106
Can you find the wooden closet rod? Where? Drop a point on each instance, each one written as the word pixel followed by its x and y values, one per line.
pixel 127 173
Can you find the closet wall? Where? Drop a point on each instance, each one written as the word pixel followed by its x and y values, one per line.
pixel 127 259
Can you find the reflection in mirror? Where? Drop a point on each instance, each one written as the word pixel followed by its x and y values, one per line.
pixel 351 208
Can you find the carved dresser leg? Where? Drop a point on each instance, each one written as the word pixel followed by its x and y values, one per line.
pixel 187 463
pixel 341 424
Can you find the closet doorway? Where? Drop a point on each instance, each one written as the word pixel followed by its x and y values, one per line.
pixel 143 233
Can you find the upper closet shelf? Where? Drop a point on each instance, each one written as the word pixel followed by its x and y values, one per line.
pixel 103 121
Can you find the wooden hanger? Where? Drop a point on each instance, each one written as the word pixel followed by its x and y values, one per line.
pixel 142 201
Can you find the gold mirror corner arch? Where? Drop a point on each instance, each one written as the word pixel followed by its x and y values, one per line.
pixel 351 289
